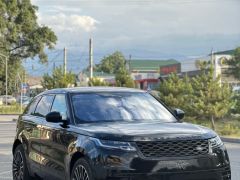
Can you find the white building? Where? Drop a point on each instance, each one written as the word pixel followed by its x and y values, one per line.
pixel 221 67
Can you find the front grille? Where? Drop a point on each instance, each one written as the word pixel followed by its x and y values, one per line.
pixel 173 148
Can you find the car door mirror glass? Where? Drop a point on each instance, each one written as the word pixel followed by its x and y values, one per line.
pixel 54 117
pixel 179 113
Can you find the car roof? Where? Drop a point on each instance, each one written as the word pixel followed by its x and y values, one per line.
pixel 91 89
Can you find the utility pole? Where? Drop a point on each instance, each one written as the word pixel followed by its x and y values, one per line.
pixel 65 61
pixel 129 63
pixel 6 75
pixel 24 81
pixel 91 58
pixel 25 77
pixel 21 95
pixel 212 57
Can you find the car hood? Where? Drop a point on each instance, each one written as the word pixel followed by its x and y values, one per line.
pixel 142 131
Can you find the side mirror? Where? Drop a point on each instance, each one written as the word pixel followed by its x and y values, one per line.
pixel 54 117
pixel 179 113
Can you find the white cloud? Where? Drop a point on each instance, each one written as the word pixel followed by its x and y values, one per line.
pixel 62 22
pixel 86 22
pixel 145 28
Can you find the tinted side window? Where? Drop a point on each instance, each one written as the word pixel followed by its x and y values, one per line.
pixel 44 106
pixel 32 106
pixel 59 105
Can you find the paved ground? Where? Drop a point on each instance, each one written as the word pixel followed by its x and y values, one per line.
pixel 4 118
pixel 7 132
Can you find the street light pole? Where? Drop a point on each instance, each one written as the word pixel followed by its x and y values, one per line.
pixel 6 74
pixel 6 71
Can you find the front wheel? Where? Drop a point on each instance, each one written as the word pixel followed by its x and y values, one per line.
pixel 81 171
pixel 19 165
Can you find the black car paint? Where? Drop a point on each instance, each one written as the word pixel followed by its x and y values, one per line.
pixel 51 148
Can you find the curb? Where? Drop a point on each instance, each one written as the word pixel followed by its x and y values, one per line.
pixel 8 117
pixel 8 121
pixel 230 140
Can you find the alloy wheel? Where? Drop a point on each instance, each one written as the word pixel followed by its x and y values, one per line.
pixel 18 166
pixel 80 173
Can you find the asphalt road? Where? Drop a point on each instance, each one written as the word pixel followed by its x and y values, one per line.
pixel 7 132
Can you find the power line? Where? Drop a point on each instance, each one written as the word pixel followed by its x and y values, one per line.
pixel 45 66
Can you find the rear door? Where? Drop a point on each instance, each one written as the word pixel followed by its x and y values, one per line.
pixel 31 136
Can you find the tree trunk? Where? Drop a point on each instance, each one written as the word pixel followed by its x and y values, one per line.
pixel 213 123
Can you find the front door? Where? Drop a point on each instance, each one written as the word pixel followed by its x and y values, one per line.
pixel 42 109
pixel 54 142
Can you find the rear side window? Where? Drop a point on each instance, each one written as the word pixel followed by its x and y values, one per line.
pixel 32 106
pixel 44 106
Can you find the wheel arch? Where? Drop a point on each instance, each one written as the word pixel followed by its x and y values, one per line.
pixel 16 143
pixel 77 155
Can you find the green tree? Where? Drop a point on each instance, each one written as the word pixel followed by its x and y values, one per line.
pixel 176 92
pixel 116 64
pixel 15 72
pixel 112 63
pixel 58 79
pixel 210 99
pixel 202 64
pixel 123 79
pixel 21 36
pixel 235 64
pixel 202 97
pixel 236 106
pixel 97 82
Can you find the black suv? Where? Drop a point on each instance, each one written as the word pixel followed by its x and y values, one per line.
pixel 113 133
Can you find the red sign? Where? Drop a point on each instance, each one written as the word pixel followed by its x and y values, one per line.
pixel 168 69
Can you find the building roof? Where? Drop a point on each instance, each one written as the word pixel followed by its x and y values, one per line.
pixel 227 52
pixel 31 80
pixel 146 65
pixel 98 74
pixel 91 89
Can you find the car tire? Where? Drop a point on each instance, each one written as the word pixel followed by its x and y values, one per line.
pixel 81 168
pixel 19 166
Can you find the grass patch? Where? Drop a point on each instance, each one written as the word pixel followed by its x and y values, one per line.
pixel 227 128
pixel 11 109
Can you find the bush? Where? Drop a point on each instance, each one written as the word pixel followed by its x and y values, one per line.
pixel 229 127
pixel 97 82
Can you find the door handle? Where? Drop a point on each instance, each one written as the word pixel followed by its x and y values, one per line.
pixel 28 129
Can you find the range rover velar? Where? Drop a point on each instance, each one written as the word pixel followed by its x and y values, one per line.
pixel 97 133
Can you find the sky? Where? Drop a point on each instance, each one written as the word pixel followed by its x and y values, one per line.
pixel 146 29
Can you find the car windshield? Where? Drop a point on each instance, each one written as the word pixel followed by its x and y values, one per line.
pixel 116 106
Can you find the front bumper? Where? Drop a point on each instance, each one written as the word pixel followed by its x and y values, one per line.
pixel 216 174
pixel 119 165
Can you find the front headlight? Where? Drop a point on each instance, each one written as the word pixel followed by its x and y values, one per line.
pixel 126 146
pixel 215 142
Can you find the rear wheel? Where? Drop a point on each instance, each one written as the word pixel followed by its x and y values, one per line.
pixel 19 165
pixel 81 171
